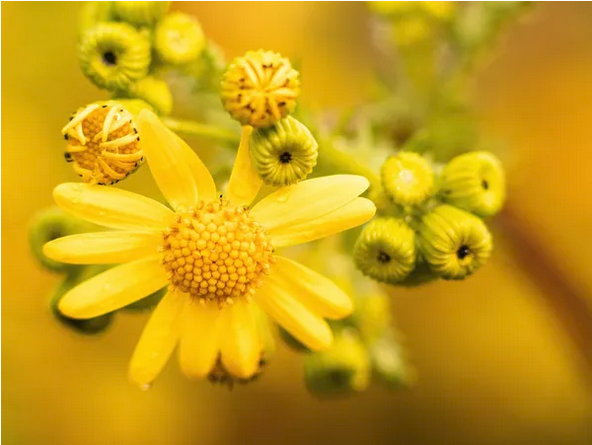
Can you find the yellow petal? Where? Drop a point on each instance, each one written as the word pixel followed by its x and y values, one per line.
pixel 158 339
pixel 111 207
pixel 240 344
pixel 346 217
pixel 313 289
pixel 102 247
pixel 206 186
pixel 308 200
pixel 305 325
pixel 167 162
pixel 114 288
pixel 198 350
pixel 244 182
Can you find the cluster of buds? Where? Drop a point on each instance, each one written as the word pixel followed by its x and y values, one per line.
pixel 431 220
pixel 259 90
pixel 123 46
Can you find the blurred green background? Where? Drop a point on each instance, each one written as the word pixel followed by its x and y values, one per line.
pixel 503 358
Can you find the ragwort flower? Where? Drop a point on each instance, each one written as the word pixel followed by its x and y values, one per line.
pixel 216 255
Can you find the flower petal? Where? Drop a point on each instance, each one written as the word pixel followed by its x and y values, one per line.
pixel 114 288
pixel 206 186
pixel 313 289
pixel 102 247
pixel 158 339
pixel 198 350
pixel 244 183
pixel 111 207
pixel 167 162
pixel 308 200
pixel 306 326
pixel 239 340
pixel 346 217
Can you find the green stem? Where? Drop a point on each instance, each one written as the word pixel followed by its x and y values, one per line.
pixel 201 130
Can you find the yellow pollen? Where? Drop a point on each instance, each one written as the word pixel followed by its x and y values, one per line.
pixel 216 251
pixel 103 143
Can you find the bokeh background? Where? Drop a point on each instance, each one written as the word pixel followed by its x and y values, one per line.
pixel 503 358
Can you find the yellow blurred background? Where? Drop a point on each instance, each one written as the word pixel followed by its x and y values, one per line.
pixel 503 358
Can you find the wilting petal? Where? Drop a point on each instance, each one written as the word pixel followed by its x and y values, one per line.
pixel 167 162
pixel 244 182
pixel 305 325
pixel 158 339
pixel 111 207
pixel 312 289
pixel 102 247
pixel 307 200
pixel 114 288
pixel 199 340
pixel 346 217
pixel 240 343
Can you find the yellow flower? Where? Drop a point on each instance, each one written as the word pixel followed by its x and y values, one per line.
pixel 216 254
pixel 103 144
pixel 260 88
pixel 453 242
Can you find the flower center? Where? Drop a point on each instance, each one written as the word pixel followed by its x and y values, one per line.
pixel 109 58
pixel 285 157
pixel 462 252
pixel 216 251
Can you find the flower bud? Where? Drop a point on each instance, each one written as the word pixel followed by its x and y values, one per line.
pixel 114 55
pixel 50 224
pixel 284 153
pixel 474 182
pixel 407 178
pixel 422 274
pixel 103 143
pixel 94 12
pixel 260 88
pixel 140 13
pixel 453 242
pixel 385 250
pixel 389 362
pixel 343 369
pixel 179 39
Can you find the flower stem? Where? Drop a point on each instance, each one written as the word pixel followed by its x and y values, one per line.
pixel 201 130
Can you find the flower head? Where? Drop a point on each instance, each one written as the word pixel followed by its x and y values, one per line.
pixel 260 88
pixel 407 178
pixel 103 142
pixel 213 243
pixel 114 55
pixel 179 39
pixel 140 13
pixel 474 182
pixel 385 250
pixel 453 242
pixel 284 153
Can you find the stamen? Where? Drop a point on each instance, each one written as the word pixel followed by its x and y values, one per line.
pixel 113 112
pixel 131 157
pixel 128 139
pixel 79 117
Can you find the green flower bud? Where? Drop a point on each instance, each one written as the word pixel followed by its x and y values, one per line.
pixel 388 361
pixel 407 178
pixel 114 55
pixel 260 88
pixel 474 182
pixel 453 242
pixel 103 142
pixel 90 326
pixel 284 153
pixel 385 250
pixel 372 316
pixel 179 39
pixel 343 369
pixel 92 13
pixel 156 92
pixel 140 13
pixel 50 224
